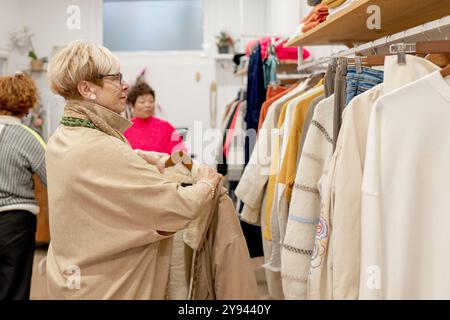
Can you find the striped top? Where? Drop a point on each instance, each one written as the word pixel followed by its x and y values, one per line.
pixel 22 154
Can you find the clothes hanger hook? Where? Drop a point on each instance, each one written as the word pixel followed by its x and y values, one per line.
pixel 424 34
pixel 372 47
pixel 439 28
pixel 388 38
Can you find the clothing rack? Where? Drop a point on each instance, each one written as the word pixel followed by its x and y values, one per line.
pixel 436 25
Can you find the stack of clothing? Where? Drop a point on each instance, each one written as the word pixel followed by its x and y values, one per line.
pixel 322 9
pixel 318 15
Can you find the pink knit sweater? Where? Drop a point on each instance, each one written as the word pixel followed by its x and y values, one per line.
pixel 154 134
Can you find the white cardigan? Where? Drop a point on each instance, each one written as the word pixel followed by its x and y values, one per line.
pixel 305 203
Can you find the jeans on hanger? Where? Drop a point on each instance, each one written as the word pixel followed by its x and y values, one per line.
pixel 358 83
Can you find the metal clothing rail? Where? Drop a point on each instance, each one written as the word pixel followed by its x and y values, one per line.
pixel 436 25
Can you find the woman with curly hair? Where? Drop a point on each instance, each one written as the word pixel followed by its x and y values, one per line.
pixel 22 154
pixel 148 132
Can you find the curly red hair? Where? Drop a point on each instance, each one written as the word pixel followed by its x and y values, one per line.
pixel 18 94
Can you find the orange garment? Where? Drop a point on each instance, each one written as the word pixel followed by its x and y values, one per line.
pixel 318 15
pixel 274 90
pixel 266 105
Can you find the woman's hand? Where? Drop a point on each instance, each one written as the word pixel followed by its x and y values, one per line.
pixel 210 175
pixel 154 158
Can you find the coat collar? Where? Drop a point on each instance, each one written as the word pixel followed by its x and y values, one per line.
pixel 114 120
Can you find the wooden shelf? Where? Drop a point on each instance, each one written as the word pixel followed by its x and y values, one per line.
pixel 349 26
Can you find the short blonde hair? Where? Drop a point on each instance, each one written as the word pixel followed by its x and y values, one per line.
pixel 79 61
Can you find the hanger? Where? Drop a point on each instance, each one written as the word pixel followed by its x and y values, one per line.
pixel 178 157
pixel 437 51
pixel 445 72
pixel 371 60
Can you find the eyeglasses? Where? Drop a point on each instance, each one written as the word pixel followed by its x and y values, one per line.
pixel 118 76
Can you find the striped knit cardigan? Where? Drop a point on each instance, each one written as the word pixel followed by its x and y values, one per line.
pixel 304 211
pixel 22 154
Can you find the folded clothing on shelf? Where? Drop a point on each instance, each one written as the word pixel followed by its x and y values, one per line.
pixel 318 15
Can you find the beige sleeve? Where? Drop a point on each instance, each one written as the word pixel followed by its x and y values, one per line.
pixel 137 196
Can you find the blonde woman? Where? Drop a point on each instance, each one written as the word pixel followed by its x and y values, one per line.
pixel 112 214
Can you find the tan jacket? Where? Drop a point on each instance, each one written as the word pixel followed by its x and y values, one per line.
pixel 211 259
pixel 112 216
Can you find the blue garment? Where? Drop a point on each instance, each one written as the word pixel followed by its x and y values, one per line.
pixel 270 70
pixel 358 83
pixel 256 95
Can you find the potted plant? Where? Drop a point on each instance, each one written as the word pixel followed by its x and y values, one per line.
pixel 21 39
pixel 224 42
pixel 36 63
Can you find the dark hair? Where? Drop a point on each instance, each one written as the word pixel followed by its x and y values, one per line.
pixel 139 90
pixel 18 94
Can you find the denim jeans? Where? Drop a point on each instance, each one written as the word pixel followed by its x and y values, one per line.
pixel 358 83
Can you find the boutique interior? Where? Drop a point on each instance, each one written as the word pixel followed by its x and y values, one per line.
pixel 328 189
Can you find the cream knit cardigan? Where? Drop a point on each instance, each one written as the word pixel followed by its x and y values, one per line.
pixel 304 210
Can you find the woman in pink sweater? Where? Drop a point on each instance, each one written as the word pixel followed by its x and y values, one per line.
pixel 149 133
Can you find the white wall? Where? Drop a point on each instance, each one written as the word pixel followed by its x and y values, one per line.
pixel 47 19
pixel 225 15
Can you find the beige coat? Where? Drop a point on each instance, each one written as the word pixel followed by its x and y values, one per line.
pixel 112 216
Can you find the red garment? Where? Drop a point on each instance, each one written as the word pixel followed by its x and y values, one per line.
pixel 282 52
pixel 154 134
pixel 230 131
